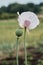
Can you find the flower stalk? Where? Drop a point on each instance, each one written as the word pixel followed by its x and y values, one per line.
pixel 18 34
pixel 25 46
pixel 17 50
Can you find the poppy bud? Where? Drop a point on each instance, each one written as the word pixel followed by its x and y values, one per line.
pixel 18 32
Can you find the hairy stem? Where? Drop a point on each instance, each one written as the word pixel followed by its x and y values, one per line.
pixel 17 51
pixel 25 46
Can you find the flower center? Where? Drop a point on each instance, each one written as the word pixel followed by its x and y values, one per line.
pixel 26 23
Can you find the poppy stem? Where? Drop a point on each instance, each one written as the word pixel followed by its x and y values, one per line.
pixel 17 51
pixel 25 46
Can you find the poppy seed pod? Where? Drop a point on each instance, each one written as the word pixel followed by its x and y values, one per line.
pixel 18 32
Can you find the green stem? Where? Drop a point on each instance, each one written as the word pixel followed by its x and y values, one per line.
pixel 25 46
pixel 17 51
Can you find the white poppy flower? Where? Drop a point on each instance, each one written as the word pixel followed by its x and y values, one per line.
pixel 28 20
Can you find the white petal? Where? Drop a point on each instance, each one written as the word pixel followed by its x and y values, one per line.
pixel 18 13
pixel 20 20
pixel 31 17
pixel 34 21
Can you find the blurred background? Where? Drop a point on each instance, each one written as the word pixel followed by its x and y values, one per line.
pixel 9 8
pixel 9 24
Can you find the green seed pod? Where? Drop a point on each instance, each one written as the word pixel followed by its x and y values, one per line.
pixel 18 32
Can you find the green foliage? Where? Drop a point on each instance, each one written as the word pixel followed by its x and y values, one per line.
pixel 40 62
pixel 6 47
pixel 7 16
pixel 40 44
pixel 4 63
pixel 12 9
pixel 41 4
